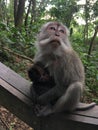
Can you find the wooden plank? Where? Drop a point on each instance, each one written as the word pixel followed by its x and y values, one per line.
pixel 68 122
pixel 18 104
pixel 15 92
pixel 93 112
pixel 83 118
pixel 15 80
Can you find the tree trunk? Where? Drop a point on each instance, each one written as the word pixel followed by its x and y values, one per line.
pixel 26 18
pixel 33 13
pixel 92 42
pixel 18 12
pixel 86 21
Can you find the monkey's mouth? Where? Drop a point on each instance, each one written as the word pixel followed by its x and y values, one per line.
pixel 55 43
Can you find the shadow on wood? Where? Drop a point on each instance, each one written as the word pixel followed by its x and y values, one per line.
pixel 15 96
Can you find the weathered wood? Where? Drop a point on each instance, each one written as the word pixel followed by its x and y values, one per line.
pixel 15 96
pixel 15 80
pixel 68 122
pixel 17 103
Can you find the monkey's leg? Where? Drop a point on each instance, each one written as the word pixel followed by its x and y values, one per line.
pixel 49 96
pixel 68 101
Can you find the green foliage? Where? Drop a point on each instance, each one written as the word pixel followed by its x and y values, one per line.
pixel 11 126
pixel 16 40
pixel 2 10
pixel 95 8
pixel 65 9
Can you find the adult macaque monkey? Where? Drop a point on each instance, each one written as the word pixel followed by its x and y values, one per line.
pixel 64 65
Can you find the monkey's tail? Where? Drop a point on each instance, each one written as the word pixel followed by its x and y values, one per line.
pixel 83 107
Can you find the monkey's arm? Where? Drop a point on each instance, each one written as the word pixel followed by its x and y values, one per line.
pixel 46 40
pixel 53 94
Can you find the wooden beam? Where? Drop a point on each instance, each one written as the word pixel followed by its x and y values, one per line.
pixel 18 103
pixel 15 96
pixel 15 80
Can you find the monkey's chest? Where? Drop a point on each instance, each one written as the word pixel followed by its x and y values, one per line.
pixel 56 70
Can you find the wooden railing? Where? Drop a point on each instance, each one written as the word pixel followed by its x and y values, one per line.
pixel 15 96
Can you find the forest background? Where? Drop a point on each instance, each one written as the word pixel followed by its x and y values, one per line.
pixel 20 21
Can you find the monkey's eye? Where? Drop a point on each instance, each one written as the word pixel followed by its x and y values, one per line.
pixel 52 28
pixel 62 31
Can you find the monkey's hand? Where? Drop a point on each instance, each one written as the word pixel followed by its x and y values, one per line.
pixel 52 39
pixel 46 110
pixel 45 41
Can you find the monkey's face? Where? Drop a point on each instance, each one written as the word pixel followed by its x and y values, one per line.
pixel 56 32
pixel 52 36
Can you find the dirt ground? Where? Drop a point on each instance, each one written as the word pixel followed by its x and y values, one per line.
pixel 10 122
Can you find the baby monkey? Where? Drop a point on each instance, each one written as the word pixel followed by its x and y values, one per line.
pixel 64 72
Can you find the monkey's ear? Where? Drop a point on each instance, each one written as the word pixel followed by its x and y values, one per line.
pixel 67 31
pixel 38 35
pixel 39 31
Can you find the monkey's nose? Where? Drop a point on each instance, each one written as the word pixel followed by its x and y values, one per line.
pixel 57 34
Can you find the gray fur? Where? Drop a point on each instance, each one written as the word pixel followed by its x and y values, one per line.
pixel 65 66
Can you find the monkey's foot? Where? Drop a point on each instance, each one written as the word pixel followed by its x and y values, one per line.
pixel 45 111
pixel 37 108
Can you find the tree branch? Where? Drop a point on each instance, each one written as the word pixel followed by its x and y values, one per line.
pixel 19 55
